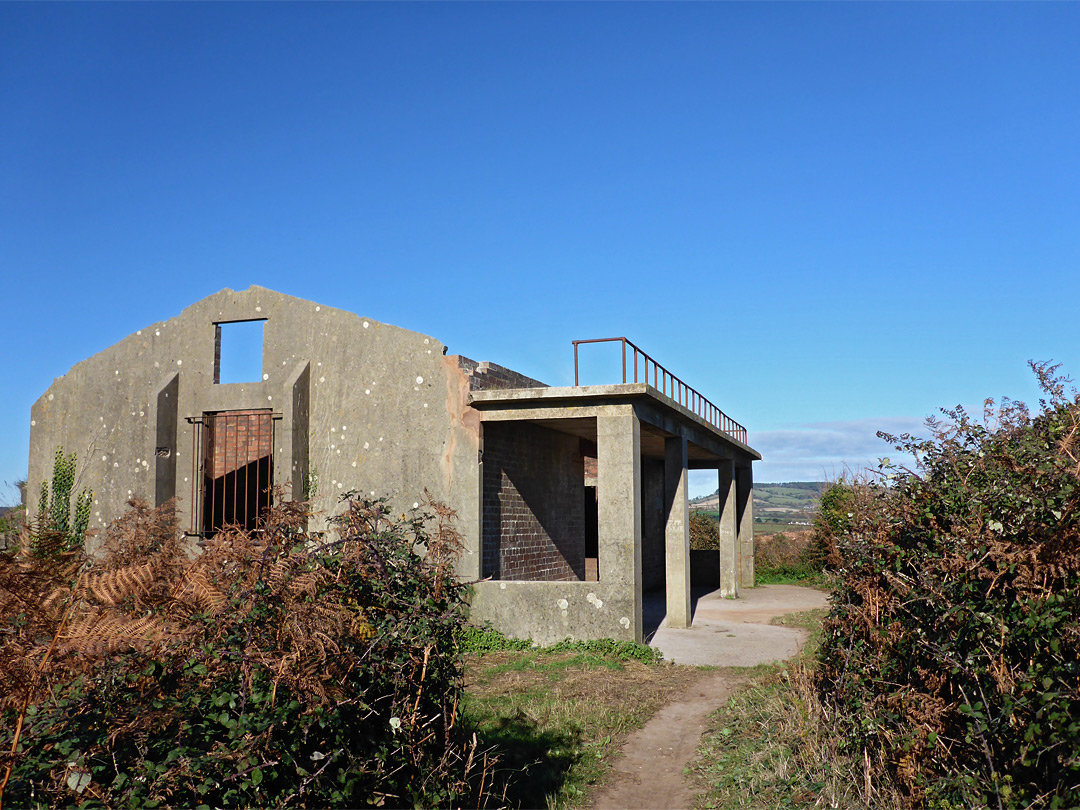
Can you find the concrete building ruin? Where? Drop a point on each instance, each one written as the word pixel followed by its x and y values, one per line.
pixel 572 500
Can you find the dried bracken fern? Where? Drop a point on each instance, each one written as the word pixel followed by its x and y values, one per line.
pixel 358 626
pixel 97 632
pixel 954 639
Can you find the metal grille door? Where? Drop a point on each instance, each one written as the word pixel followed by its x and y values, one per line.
pixel 233 458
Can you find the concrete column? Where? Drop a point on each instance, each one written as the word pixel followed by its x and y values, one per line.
pixel 745 481
pixel 729 541
pixel 677 532
pixel 618 483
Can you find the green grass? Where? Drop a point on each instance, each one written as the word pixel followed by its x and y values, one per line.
pixel 772 746
pixel 775 528
pixel 557 716
pixel 791 576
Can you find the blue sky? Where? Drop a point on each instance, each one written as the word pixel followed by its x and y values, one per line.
pixel 829 218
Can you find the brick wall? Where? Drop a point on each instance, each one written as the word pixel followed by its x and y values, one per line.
pixel 533 503
pixel 485 375
pixel 234 439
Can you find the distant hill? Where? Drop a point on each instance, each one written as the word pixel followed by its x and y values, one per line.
pixel 792 503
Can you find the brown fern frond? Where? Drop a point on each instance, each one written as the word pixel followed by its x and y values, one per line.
pixel 117 586
pixel 306 584
pixel 139 533
pixel 53 605
pixel 278 575
pixel 195 588
pixel 95 632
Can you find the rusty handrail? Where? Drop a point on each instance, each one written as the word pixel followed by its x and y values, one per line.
pixel 668 384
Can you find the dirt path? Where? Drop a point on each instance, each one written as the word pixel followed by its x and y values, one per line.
pixel 649 774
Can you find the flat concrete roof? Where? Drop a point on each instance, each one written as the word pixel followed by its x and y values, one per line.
pixel 572 409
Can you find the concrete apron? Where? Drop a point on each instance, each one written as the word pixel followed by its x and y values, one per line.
pixel 733 632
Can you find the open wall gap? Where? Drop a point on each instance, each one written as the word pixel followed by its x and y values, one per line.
pixel 238 352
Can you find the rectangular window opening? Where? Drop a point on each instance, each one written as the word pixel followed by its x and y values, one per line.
pixel 238 352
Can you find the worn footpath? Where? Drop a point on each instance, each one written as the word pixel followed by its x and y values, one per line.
pixel 725 633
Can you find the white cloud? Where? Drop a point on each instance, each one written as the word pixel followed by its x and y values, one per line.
pixel 821 451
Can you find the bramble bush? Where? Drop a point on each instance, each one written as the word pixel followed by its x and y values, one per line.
pixel 704 531
pixel 275 668
pixel 785 558
pixel 952 653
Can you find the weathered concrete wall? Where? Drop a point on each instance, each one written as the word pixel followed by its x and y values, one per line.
pixel 533 521
pixel 547 612
pixel 363 404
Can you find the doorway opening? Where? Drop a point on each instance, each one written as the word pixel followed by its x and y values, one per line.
pixel 234 456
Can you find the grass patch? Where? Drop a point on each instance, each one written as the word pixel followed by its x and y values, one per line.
pixel 771 527
pixel 806 619
pixel 557 715
pixel 773 744
pixel 791 576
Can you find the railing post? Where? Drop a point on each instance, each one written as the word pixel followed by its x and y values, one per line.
pixel 669 385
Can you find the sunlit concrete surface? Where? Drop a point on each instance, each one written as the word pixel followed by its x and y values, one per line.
pixel 732 632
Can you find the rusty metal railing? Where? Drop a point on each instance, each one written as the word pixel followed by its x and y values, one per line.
pixel 668 384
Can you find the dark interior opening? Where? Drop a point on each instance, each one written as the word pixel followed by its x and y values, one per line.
pixel 237 469
pixel 237 498
pixel 592 534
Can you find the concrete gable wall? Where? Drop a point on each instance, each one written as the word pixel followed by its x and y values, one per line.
pixel 366 405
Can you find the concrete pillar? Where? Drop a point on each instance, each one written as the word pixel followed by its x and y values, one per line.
pixel 677 532
pixel 729 540
pixel 745 485
pixel 618 487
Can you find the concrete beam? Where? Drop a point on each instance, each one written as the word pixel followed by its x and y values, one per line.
pixel 651 406
pixel 745 486
pixel 729 542
pixel 618 488
pixel 677 532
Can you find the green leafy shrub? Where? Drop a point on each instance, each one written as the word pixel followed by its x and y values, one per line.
pixel 832 520
pixel 953 650
pixel 472 639
pixel 54 529
pixel 274 668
